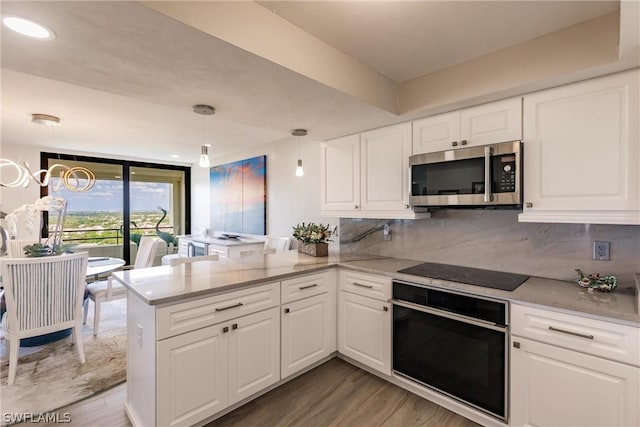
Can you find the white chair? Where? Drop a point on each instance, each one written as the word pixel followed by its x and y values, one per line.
pixel 15 248
pixel 107 290
pixel 186 260
pixel 277 244
pixel 43 295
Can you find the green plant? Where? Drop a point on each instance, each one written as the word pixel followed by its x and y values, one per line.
pixel 40 250
pixel 313 233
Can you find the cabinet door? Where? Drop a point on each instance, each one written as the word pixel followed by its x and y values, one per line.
pixel 581 151
pixel 340 174
pixel 308 332
pixel 254 353
pixel 491 123
pixel 191 376
pixel 436 133
pixel 364 331
pixel 554 386
pixel 384 155
pixel 183 247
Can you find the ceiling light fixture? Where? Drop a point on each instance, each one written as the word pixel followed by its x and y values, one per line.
pixel 71 178
pixel 204 110
pixel 298 133
pixel 45 119
pixel 28 28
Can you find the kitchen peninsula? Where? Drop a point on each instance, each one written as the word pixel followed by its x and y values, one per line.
pixel 223 332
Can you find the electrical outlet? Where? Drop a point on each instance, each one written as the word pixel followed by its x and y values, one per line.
pixel 386 232
pixel 601 250
pixel 139 334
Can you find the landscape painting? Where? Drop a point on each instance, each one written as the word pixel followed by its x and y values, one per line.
pixel 239 196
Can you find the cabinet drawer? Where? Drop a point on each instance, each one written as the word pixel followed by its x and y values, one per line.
pixel 180 318
pixel 368 285
pixel 306 286
pixel 597 337
pixel 222 251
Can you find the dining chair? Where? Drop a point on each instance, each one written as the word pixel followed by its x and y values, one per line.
pixel 187 260
pixel 15 247
pixel 277 244
pixel 108 290
pixel 43 295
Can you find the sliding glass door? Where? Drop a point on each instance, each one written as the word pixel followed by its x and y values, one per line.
pixel 127 201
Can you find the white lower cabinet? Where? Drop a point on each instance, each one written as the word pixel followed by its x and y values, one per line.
pixel 569 370
pixel 364 330
pixel 254 353
pixel 202 372
pixel 192 376
pixel 552 386
pixel 308 332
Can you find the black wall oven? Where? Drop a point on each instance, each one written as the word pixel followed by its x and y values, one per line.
pixel 453 343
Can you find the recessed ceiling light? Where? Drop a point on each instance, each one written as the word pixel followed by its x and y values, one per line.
pixel 28 28
pixel 174 156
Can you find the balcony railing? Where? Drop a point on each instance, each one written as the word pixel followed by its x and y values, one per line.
pixel 105 237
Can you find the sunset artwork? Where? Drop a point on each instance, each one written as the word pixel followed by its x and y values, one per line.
pixel 239 197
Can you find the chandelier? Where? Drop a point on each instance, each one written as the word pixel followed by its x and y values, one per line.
pixel 21 175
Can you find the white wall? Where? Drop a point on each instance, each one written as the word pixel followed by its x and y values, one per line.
pixel 290 199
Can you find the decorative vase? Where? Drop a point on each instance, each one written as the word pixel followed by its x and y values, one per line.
pixel 314 249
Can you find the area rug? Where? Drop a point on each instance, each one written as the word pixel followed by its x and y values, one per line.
pixel 51 376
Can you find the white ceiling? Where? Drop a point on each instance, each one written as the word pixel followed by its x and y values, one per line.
pixel 123 77
pixel 407 39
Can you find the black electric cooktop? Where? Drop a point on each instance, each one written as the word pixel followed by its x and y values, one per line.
pixel 472 276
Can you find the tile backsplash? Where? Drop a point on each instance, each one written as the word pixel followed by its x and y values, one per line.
pixel 495 240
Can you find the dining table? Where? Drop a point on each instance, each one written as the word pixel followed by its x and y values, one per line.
pixel 101 265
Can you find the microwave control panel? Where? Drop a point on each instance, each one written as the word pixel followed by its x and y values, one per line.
pixel 505 166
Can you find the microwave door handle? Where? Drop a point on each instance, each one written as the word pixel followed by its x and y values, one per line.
pixel 487 175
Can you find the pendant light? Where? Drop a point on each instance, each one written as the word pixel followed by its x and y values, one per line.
pixel 299 133
pixel 76 178
pixel 204 110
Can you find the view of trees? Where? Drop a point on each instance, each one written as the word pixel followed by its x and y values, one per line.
pixel 106 227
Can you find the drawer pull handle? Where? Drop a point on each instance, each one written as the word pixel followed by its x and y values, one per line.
pixel 234 326
pixel 308 286
pixel 577 334
pixel 287 310
pixel 362 286
pixel 225 329
pixel 229 307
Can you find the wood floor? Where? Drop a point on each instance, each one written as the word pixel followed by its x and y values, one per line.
pixel 334 394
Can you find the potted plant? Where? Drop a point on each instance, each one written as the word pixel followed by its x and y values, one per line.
pixel 313 238
pixel 40 250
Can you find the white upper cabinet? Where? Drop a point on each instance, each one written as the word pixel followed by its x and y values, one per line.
pixel 485 124
pixel 582 152
pixel 367 175
pixel 340 174
pixel 436 133
pixel 384 172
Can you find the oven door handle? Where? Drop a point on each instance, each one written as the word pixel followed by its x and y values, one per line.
pixel 448 315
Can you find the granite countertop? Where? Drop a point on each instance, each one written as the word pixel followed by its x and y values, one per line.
pixel 161 285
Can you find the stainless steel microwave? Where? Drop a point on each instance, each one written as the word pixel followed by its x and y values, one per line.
pixel 482 176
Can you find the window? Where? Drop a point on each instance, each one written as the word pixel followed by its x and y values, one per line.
pixel 128 200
